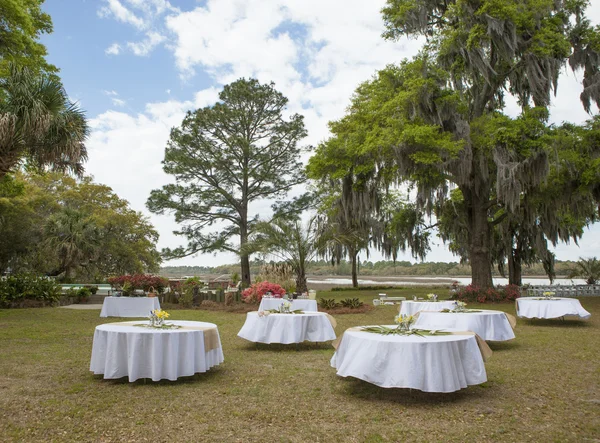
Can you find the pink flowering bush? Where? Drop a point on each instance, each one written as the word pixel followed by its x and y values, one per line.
pixel 472 293
pixel 254 293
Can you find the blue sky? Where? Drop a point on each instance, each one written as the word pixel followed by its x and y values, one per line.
pixel 136 67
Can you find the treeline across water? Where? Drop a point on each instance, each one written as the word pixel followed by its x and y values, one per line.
pixel 367 268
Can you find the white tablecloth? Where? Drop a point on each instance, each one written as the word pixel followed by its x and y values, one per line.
pixel 528 307
pixel 274 303
pixel 489 325
pixel 129 306
pixel 432 364
pixel 122 349
pixel 409 307
pixel 287 328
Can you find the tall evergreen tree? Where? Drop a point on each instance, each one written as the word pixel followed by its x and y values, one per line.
pixel 224 158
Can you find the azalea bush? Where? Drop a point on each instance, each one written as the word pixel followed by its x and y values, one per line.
pixel 139 281
pixel 473 293
pixel 254 293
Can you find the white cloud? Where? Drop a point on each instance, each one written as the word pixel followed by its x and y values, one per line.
pixel 113 49
pixel 126 152
pixel 118 102
pixel 111 93
pixel 146 46
pixel 114 8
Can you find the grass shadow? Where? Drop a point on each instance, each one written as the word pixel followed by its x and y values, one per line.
pixel 292 347
pixel 408 397
pixel 557 323
pixel 200 377
pixel 508 345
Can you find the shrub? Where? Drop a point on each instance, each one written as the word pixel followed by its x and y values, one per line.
pixel 93 289
pixel 352 303
pixel 328 303
pixel 140 281
pixel 16 289
pixel 472 293
pixel 83 293
pixel 254 293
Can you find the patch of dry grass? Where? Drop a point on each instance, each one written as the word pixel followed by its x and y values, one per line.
pixel 542 386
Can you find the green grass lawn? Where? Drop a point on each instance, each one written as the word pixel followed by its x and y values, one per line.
pixel 542 386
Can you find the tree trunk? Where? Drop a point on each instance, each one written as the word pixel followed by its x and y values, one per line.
pixel 515 268
pixel 301 285
pixel 244 259
pixel 479 241
pixel 354 270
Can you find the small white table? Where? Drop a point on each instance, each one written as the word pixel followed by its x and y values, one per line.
pixel 129 306
pixel 556 307
pixel 488 324
pixel 409 307
pixel 274 303
pixel 287 328
pixel 125 350
pixel 444 363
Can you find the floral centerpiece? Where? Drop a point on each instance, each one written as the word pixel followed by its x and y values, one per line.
pixel 461 306
pixel 548 294
pixel 432 297
pixel 404 323
pixel 158 317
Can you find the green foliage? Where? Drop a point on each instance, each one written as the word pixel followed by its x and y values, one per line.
pixel 40 125
pixel 328 303
pixel 434 124
pixel 352 303
pixel 22 23
pixel 76 229
pixel 587 268
pixel 16 289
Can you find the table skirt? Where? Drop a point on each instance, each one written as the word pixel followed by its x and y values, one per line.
pixel 432 364
pixel 287 328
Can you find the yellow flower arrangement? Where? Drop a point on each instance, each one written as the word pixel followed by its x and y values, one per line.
pixel 159 313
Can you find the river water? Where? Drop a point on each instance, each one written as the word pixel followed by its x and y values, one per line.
pixel 434 281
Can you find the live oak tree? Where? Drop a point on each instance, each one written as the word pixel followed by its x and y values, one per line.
pixel 359 211
pixel 224 158
pixel 476 51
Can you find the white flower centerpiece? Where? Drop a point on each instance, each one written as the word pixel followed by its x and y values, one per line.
pixel 285 307
pixel 432 297
pixel 461 306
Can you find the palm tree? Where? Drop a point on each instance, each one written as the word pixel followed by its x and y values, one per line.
pixel 587 268
pixel 74 237
pixel 39 124
pixel 291 242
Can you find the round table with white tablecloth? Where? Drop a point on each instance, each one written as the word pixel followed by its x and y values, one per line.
pixel 488 324
pixel 555 307
pixel 409 307
pixel 301 304
pixel 129 306
pixel 287 328
pixel 444 363
pixel 126 349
